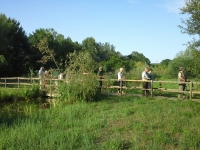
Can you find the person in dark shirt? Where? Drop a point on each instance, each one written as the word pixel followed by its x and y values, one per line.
pixel 182 86
pixel 150 77
pixel 100 76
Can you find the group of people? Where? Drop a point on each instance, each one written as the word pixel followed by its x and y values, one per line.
pixel 43 75
pixel 147 76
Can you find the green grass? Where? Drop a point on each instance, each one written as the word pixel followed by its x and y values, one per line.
pixel 114 122
pixel 17 94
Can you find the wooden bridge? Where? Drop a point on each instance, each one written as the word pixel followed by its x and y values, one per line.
pixel 49 85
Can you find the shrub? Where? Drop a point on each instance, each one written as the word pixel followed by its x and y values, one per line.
pixel 81 83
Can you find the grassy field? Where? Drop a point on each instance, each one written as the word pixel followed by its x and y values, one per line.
pixel 113 122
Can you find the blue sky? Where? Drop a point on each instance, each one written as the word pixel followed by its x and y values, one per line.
pixel 149 27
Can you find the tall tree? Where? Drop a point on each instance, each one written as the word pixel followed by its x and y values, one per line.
pixel 14 47
pixel 192 23
pixel 136 56
pixel 192 27
pixel 165 62
pixel 57 45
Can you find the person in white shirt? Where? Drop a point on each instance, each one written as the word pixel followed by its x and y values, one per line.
pixel 60 76
pixel 120 78
pixel 41 74
pixel 145 77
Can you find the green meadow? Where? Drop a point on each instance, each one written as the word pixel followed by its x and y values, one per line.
pixel 112 122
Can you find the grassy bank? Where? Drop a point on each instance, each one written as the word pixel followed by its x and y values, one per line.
pixel 17 94
pixel 115 122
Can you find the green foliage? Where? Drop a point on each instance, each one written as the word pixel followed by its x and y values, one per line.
pixel 192 23
pixel 175 64
pixel 165 62
pixel 114 63
pixel 135 73
pixel 81 81
pixel 136 56
pixel 2 60
pixel 188 59
pixel 33 92
pixel 8 95
pixel 14 47
pixel 47 54
pixel 45 44
pixel 50 48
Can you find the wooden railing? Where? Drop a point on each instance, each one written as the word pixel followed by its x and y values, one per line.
pixel 107 84
pixel 160 87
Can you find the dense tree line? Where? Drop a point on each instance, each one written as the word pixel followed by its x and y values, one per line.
pixel 20 53
pixel 14 47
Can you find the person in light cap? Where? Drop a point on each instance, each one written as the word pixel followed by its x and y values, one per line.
pixel 120 78
pixel 41 74
pixel 145 77
pixel 181 79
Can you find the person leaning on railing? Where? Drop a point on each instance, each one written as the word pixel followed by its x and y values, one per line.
pixel 182 86
pixel 120 79
pixel 150 77
pixel 100 76
pixel 41 74
pixel 145 85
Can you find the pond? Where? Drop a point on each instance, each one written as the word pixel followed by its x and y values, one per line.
pixel 13 109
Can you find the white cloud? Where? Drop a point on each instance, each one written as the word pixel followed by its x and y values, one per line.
pixel 173 6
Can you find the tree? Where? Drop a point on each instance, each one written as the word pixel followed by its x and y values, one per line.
pixel 192 24
pixel 165 62
pixel 178 62
pixel 57 45
pixel 136 56
pixel 192 27
pixel 14 47
pixel 35 39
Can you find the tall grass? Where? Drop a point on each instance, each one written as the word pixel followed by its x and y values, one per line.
pixel 79 88
pixel 81 81
pixel 15 94
pixel 112 123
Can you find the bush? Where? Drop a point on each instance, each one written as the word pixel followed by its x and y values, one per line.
pixel 81 84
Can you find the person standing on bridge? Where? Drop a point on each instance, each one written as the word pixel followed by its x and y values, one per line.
pixel 41 74
pixel 150 77
pixel 182 86
pixel 100 76
pixel 145 85
pixel 120 80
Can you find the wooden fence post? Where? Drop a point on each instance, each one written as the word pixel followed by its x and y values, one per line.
pixel 18 81
pixel 5 82
pixel 191 90
pixel 160 86
pixel 151 88
pixel 121 87
pixel 51 87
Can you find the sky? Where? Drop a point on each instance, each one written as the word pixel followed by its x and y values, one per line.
pixel 149 27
